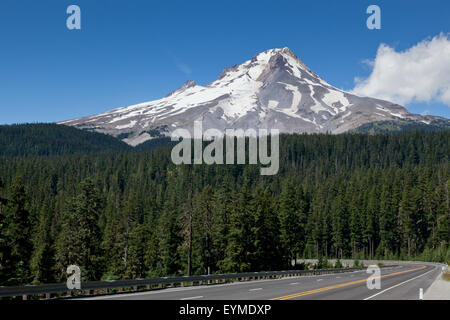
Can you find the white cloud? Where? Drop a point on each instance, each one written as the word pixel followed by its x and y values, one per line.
pixel 180 65
pixel 419 74
pixel 184 68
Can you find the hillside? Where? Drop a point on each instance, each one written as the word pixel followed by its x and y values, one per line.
pixel 53 139
pixel 403 125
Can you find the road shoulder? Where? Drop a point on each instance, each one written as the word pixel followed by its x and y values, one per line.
pixel 439 289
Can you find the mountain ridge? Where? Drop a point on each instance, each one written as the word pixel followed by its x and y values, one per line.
pixel 272 90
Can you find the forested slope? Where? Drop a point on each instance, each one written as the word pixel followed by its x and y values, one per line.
pixel 127 214
pixel 53 139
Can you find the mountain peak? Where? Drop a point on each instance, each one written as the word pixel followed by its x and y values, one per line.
pixel 286 52
pixel 188 84
pixel 278 57
pixel 264 64
pixel 273 90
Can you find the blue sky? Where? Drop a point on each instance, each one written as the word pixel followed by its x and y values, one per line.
pixel 133 51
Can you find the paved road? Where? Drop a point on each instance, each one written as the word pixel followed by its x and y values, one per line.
pixel 397 283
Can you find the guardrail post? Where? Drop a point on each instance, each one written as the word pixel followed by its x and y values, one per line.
pixel 24 297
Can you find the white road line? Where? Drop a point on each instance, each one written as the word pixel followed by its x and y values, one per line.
pixel 338 277
pixel 255 289
pixel 319 279
pixel 293 283
pixel 399 284
pixel 192 298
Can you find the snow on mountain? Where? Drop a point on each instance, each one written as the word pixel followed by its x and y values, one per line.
pixel 274 89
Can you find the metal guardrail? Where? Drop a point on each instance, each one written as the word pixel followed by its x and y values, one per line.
pixel 48 289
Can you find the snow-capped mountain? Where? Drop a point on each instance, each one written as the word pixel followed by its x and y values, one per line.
pixel 275 89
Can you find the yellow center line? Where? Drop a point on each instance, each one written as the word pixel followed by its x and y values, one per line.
pixel 295 295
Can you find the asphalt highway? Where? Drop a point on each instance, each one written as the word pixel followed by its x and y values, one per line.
pixel 402 282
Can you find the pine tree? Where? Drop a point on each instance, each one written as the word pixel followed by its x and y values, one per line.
pixel 443 214
pixel 240 242
pixel 79 240
pixel 410 211
pixel 136 267
pixel 370 219
pixel 355 223
pixel 18 233
pixel 115 248
pixel 204 222
pixel 292 219
pixel 43 261
pixel 267 254
pixel 340 224
pixel 170 239
pixel 388 220
pixel 223 207
pixel 186 221
pixel 6 270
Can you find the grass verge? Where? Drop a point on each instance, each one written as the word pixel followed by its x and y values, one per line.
pixel 446 275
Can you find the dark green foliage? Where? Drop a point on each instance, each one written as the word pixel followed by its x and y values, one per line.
pixel 292 216
pixel 79 240
pixel 154 144
pixel 267 255
pixel 53 139
pixel 17 233
pixel 403 125
pixel 240 240
pixel 43 261
pixel 133 214
pixel 124 135
pixel 6 268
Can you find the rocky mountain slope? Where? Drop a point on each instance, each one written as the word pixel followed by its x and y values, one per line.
pixel 274 89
